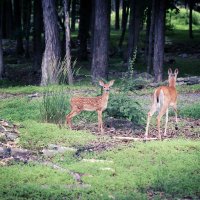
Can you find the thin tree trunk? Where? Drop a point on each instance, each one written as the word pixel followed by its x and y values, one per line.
pixel 18 26
pixel 151 38
pixel 191 5
pixel 159 40
pixel 100 40
pixel 134 27
pixel 73 15
pixel 84 26
pixel 67 43
pixel 27 24
pixel 37 31
pixel 1 48
pixel 52 53
pixel 125 13
pixel 117 2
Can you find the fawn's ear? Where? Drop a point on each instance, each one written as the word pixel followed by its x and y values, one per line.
pixel 111 82
pixel 169 71
pixel 101 83
pixel 176 72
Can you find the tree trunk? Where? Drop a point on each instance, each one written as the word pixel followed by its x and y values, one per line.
pixel 67 43
pixel 7 14
pixel 117 2
pixel 134 27
pixel 151 37
pixel 125 12
pixel 18 27
pixel 84 26
pixel 37 31
pixel 73 15
pixel 191 5
pixel 27 20
pixel 1 48
pixel 159 39
pixel 101 32
pixel 52 53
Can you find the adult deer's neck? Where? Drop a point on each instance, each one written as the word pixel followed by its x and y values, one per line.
pixel 172 83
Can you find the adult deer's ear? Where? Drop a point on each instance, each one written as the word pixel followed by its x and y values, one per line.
pixel 111 82
pixel 176 72
pixel 101 83
pixel 169 71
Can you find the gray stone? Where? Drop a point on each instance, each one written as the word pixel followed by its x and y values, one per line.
pixel 11 136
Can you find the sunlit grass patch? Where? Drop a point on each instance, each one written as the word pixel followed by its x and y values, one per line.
pixel 35 135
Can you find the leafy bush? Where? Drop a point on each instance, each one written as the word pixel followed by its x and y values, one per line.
pixel 122 106
pixel 192 111
pixel 54 105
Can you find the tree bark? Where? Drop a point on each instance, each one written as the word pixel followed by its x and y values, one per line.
pixel 191 6
pixel 73 15
pixel 134 27
pixel 125 13
pixel 117 3
pixel 18 27
pixel 52 53
pixel 7 23
pixel 100 40
pixel 1 48
pixel 84 26
pixel 151 38
pixel 67 43
pixel 27 24
pixel 37 37
pixel 159 36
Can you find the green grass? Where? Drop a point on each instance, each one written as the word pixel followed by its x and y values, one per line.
pixel 191 111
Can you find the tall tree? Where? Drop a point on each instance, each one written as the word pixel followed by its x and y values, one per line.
pixel 37 34
pixel 84 26
pixel 117 4
pixel 52 53
pixel 7 14
pixel 73 15
pixel 1 48
pixel 27 4
pixel 67 43
pixel 101 30
pixel 18 26
pixel 159 41
pixel 151 37
pixel 125 13
pixel 136 12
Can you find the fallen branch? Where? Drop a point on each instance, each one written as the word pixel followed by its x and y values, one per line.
pixel 133 139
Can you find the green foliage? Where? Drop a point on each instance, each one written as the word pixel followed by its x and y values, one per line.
pixel 19 109
pixel 54 105
pixel 191 111
pixel 122 106
pixel 36 135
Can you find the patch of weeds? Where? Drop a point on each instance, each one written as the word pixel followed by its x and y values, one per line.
pixel 36 135
pixel 19 109
pixel 191 111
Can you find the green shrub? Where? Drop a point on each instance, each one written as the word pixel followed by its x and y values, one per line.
pixel 192 111
pixel 54 105
pixel 122 106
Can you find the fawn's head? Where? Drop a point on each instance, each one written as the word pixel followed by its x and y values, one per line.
pixel 106 86
pixel 172 77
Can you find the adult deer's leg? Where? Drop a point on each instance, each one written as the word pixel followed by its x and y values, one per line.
pixel 161 113
pixel 166 121
pixel 176 118
pixel 150 114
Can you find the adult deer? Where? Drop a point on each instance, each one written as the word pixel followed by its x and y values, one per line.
pixel 98 104
pixel 164 97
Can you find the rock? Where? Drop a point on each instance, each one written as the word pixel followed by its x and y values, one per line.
pixel 144 75
pixel 11 136
pixel 184 55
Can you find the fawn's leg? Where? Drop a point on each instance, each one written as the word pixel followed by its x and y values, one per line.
pixel 100 122
pixel 161 113
pixel 70 116
pixel 150 114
